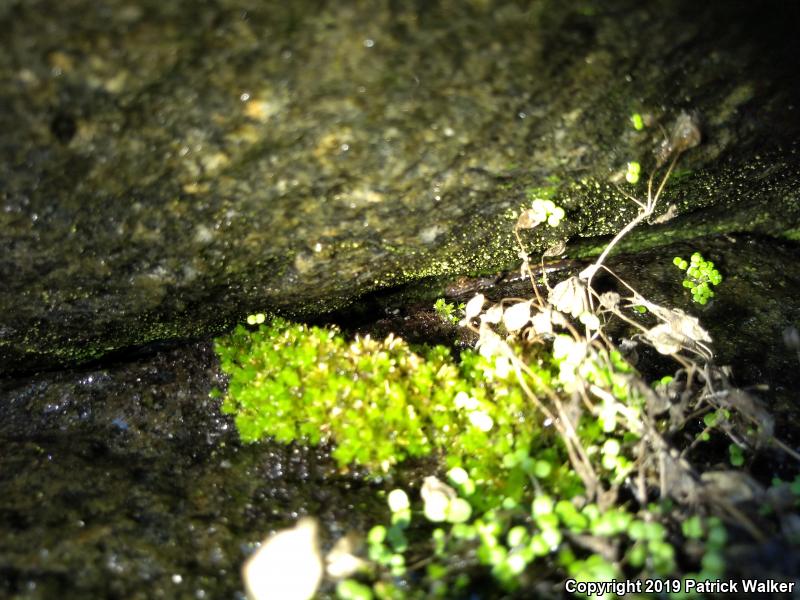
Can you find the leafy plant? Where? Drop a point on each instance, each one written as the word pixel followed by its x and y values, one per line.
pixel 542 210
pixel 700 276
pixel 633 172
pixel 448 311
pixel 377 401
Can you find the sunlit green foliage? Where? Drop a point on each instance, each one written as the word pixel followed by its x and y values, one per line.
pixel 633 172
pixel 700 276
pixel 377 401
pixel 448 311
pixel 511 495
pixel 509 537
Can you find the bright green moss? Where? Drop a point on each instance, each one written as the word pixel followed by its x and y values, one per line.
pixel 379 402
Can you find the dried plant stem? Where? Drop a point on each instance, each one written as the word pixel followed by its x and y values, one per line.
pixel 645 212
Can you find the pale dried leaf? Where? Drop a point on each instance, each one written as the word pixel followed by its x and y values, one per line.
pixel 557 318
pixel 751 407
pixel 494 315
pixel 570 297
pixel 474 307
pixel 530 218
pixel 610 300
pixel 524 268
pixel 682 328
pixel 684 134
pixel 556 248
pixel 677 478
pixel 590 320
pixel 687 326
pixel 489 343
pixel 663 339
pixel 542 322
pixel 517 316
pixel 733 486
pixel 671 213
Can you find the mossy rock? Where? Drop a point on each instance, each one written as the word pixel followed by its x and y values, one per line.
pixel 169 167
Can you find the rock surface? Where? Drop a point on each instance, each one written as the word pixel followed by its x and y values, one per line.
pixel 125 481
pixel 166 167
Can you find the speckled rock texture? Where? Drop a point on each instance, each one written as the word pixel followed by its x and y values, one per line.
pixel 124 481
pixel 168 166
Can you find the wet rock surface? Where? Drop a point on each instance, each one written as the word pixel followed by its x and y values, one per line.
pixel 167 167
pixel 125 481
